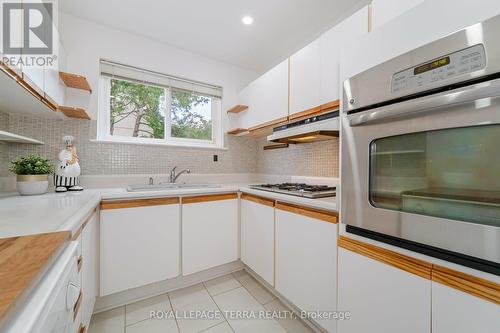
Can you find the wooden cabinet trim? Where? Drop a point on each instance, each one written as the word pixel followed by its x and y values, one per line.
pixel 479 287
pixel 207 198
pixel 401 261
pixel 267 127
pixel 132 203
pixel 257 199
pixel 315 110
pixel 323 215
pixel 237 131
pixel 475 286
pixel 77 305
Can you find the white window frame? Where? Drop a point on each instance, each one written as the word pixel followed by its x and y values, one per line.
pixel 103 124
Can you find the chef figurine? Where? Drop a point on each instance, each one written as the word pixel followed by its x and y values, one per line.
pixel 66 177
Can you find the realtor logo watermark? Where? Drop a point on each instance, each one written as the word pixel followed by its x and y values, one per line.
pixel 28 33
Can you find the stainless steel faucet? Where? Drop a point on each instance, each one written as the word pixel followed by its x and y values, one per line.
pixel 174 176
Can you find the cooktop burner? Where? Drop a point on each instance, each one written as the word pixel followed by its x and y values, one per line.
pixel 299 189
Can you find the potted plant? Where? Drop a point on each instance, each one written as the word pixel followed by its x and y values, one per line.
pixel 32 174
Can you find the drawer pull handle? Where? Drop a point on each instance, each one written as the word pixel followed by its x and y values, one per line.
pixel 79 263
pixel 77 305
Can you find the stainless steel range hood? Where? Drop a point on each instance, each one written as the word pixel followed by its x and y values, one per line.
pixel 318 128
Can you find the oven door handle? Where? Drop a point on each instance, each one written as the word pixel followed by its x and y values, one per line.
pixel 428 103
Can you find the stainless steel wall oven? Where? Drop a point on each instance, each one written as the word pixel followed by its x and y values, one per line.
pixel 421 149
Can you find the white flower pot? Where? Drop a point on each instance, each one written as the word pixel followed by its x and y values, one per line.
pixel 32 184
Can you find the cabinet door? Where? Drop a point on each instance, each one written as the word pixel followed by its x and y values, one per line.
pixel 331 44
pixel 138 246
pixel 306 262
pixel 54 87
pixel 305 78
pixel 209 232
pixel 266 97
pixel 90 268
pixel 459 312
pixel 381 298
pixel 384 11
pixel 257 236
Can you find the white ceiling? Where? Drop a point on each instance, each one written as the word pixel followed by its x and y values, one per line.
pixel 213 28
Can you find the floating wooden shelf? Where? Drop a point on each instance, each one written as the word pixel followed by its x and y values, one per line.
pixel 73 112
pixel 237 109
pixel 15 138
pixel 238 131
pixel 277 146
pixel 75 81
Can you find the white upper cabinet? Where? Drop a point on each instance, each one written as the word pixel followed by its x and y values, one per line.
pixel 459 312
pixel 331 44
pixel 314 70
pixel 381 298
pixel 266 97
pixel 384 11
pixel 305 68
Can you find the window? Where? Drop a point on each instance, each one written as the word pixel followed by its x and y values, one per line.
pixel 138 106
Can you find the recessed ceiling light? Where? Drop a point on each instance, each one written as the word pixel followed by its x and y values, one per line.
pixel 247 20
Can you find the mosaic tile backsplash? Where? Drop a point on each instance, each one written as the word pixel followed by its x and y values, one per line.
pixel 244 154
pixel 315 159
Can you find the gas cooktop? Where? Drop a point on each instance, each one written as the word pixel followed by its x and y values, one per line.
pixel 299 189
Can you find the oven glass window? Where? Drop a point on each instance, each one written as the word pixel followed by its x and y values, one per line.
pixel 450 173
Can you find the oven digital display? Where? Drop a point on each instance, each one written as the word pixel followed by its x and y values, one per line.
pixel 431 65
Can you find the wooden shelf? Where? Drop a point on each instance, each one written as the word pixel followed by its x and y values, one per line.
pixel 277 146
pixel 15 138
pixel 73 112
pixel 238 131
pixel 237 108
pixel 75 81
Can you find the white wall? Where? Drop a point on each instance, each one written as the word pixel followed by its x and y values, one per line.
pixel 87 42
pixel 420 25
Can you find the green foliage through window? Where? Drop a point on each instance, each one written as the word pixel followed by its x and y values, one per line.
pixel 191 116
pixel 139 110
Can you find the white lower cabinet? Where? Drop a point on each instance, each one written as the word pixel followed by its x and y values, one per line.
pixel 306 260
pixel 381 298
pixel 257 235
pixel 139 244
pixel 90 268
pixel 209 231
pixel 458 312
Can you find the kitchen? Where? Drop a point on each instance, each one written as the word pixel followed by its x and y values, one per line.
pixel 312 168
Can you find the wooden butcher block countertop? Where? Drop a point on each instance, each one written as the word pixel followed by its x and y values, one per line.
pixel 22 262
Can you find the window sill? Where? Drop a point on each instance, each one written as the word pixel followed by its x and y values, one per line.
pixel 161 144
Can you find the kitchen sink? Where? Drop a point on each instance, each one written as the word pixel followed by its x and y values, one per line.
pixel 167 187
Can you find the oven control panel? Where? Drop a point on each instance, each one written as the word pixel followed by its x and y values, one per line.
pixel 449 66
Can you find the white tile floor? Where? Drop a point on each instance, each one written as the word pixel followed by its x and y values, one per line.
pixel 233 292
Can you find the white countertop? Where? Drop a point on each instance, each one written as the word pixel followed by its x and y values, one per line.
pixel 26 215
pixel 320 203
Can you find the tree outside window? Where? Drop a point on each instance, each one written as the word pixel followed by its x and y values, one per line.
pixel 139 110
